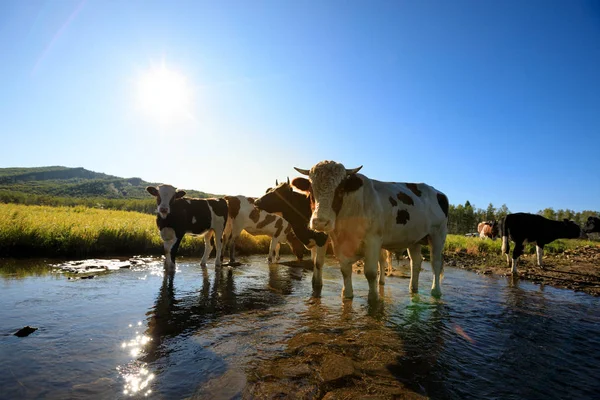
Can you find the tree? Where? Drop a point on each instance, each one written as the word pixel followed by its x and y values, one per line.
pixel 548 213
pixel 490 212
pixel 502 212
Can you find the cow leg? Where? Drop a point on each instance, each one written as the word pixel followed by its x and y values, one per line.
pixel 219 246
pixel 277 247
pixel 414 253
pixel 207 247
pixel 436 247
pixel 231 242
pixel 540 253
pixel 506 249
pixel 517 252
pixel 373 253
pixel 272 247
pixel 346 268
pixel 385 261
pixel 318 257
pixel 169 239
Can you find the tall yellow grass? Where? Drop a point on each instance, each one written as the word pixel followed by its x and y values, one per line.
pixel 28 231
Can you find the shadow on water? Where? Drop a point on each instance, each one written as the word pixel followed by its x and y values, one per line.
pixel 422 328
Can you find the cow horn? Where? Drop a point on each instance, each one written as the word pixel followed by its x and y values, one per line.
pixel 276 183
pixel 288 180
pixel 353 171
pixel 302 171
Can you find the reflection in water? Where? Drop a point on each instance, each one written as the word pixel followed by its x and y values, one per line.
pixel 136 374
pixel 422 327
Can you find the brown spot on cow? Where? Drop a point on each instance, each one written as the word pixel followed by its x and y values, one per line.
pixel 268 219
pixel 255 215
pixel 406 199
pixel 394 202
pixel 288 229
pixel 413 187
pixel 278 226
pixel 402 217
pixel 251 200
pixel 233 204
pixel 443 202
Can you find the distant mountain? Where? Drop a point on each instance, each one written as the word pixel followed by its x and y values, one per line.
pixel 60 181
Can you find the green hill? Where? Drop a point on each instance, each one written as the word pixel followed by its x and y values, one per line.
pixel 56 185
pixel 75 182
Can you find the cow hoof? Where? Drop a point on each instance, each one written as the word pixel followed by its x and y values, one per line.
pixel 203 264
pixel 269 260
pixel 347 295
pixel 436 293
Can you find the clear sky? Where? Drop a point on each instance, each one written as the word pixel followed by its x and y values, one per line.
pixel 488 101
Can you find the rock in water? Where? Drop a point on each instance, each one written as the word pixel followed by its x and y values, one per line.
pixel 26 331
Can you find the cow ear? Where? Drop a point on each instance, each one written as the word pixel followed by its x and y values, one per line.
pixel 302 184
pixel 352 183
pixel 179 194
pixel 152 190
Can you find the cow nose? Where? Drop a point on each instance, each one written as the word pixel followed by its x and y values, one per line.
pixel 163 210
pixel 320 224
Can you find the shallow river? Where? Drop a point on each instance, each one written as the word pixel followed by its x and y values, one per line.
pixel 212 334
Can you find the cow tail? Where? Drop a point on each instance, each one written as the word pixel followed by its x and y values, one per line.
pixel 505 244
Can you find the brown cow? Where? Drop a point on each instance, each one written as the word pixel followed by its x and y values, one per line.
pixel 488 229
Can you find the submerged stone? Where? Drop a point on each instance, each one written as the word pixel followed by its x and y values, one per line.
pixel 25 331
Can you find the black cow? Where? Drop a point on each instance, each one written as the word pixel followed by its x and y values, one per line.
pixel 524 228
pixel 592 225
pixel 178 215
pixel 295 208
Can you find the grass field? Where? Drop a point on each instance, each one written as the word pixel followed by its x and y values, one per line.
pixel 79 232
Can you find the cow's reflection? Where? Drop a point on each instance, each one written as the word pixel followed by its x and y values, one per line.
pixel 178 312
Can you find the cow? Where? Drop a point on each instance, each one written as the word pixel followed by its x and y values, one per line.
pixel 178 215
pixel 488 229
pixel 364 216
pixel 592 225
pixel 243 215
pixel 523 228
pixel 295 207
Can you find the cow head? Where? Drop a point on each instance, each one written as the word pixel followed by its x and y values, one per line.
pixel 327 185
pixel 573 231
pixel 165 196
pixel 495 229
pixel 277 199
pixel 592 225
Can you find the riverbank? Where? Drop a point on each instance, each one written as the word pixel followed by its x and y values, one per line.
pixel 576 268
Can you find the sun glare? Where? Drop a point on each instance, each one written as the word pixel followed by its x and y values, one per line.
pixel 164 94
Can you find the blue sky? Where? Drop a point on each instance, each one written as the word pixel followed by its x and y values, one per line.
pixel 487 101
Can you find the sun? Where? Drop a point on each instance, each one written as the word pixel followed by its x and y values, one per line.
pixel 165 94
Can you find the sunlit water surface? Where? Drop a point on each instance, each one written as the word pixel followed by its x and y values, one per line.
pixel 138 333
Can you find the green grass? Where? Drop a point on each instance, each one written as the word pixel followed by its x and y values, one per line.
pixel 35 231
pixel 477 246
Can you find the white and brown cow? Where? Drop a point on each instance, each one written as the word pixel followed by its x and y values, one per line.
pixel 488 229
pixel 295 207
pixel 243 215
pixel 363 215
pixel 523 228
pixel 178 215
